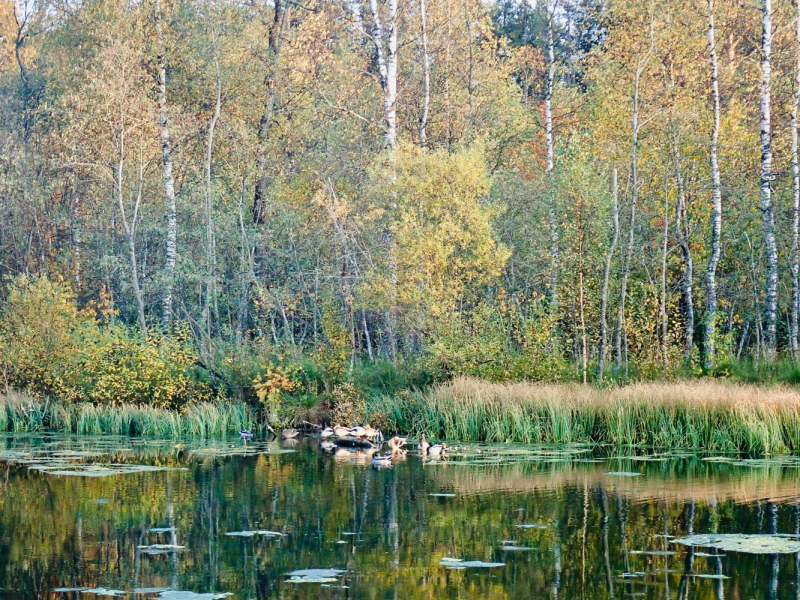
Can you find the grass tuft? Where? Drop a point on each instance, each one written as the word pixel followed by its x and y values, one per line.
pixel 708 414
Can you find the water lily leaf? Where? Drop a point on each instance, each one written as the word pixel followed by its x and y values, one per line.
pixel 654 552
pixel 709 576
pixel 457 563
pixel 532 526
pixel 254 532
pixel 105 592
pixel 162 529
pixel 184 595
pixel 623 474
pixel 314 576
pixel 747 544
pixel 443 495
pixel 154 549
pixel 511 548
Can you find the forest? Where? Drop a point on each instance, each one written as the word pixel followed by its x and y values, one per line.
pixel 306 199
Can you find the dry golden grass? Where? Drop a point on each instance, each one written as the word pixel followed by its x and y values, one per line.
pixel 694 414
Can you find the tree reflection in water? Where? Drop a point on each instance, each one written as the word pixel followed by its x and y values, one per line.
pixel 593 536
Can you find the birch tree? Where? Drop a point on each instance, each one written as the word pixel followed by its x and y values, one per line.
pixel 767 215
pixel 716 194
pixel 386 54
pixel 795 251
pixel 171 239
pixel 548 129
pixel 601 352
pixel 426 75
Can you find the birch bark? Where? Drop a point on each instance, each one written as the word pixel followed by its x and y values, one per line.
pixel 682 237
pixel 548 131
pixel 426 77
pixel 767 215
pixel 716 211
pixel 601 354
pixel 795 193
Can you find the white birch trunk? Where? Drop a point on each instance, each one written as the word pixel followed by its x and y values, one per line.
pixel 426 77
pixel 716 210
pixel 601 354
pixel 390 97
pixel 171 241
pixel 211 250
pixel 548 132
pixel 664 344
pixel 795 193
pixel 767 216
pixel 688 274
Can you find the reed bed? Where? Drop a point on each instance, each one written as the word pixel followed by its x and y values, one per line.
pixel 703 414
pixel 22 413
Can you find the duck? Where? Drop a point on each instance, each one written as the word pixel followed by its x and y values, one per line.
pixel 340 431
pixel 244 434
pixel 327 446
pixel 382 461
pixel 370 432
pixel 289 433
pixel 437 449
pixel 423 446
pixel 396 443
pixel 326 433
pixel 358 431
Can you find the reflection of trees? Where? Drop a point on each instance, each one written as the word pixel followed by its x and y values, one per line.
pixel 52 533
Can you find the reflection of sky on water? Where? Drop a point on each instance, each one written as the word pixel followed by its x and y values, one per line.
pixel 110 516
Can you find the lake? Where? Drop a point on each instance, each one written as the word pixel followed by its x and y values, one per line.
pixel 98 517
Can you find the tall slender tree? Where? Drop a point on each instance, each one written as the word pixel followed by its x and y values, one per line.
pixel 548 131
pixel 795 256
pixel 716 194
pixel 767 213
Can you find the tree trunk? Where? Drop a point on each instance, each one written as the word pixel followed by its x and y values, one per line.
pixel 387 67
pixel 664 345
pixel 426 78
pixel 211 251
pixel 796 193
pixel 767 216
pixel 171 242
pixel 683 242
pixel 601 354
pixel 548 132
pixel 716 211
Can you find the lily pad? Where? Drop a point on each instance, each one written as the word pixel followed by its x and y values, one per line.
pixel 532 526
pixel 623 474
pixel 162 529
pixel 709 576
pixel 155 549
pixel 512 548
pixel 251 533
pixel 314 576
pixel 443 495
pixel 185 595
pixel 457 563
pixel 747 544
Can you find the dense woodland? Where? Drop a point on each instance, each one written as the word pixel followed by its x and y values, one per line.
pixel 586 189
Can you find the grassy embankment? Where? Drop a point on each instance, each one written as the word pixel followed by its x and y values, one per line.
pixel 23 413
pixel 699 414
pixel 694 414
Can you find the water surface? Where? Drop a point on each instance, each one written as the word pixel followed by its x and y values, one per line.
pixel 113 517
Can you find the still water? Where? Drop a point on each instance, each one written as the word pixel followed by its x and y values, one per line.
pixel 102 517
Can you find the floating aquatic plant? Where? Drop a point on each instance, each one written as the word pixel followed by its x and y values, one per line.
pixel 745 543
pixel 457 563
pixel 254 532
pixel 315 576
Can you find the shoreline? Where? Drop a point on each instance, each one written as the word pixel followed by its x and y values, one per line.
pixel 698 415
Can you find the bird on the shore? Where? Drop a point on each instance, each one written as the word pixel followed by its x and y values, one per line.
pixel 370 432
pixel 289 433
pixel 358 431
pixel 326 433
pixel 382 461
pixel 245 435
pixel 340 431
pixel 423 446
pixel 396 443
pixel 437 449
